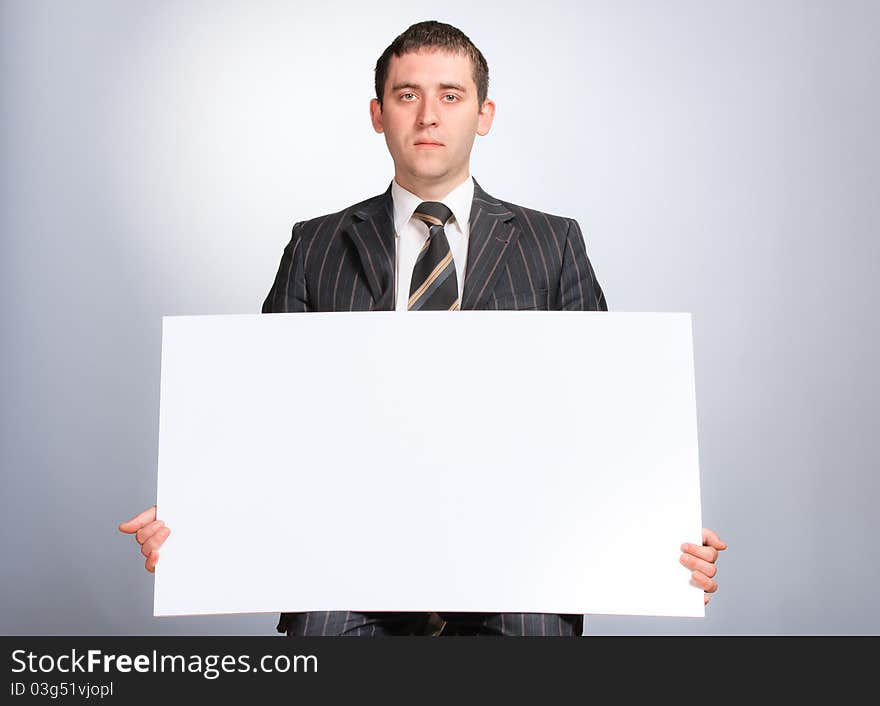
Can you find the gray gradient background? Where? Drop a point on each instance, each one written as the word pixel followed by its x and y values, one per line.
pixel 722 159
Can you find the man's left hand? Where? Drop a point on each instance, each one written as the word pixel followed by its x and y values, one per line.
pixel 701 562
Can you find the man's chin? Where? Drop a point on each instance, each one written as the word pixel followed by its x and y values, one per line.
pixel 433 173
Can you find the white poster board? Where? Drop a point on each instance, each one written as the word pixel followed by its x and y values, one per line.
pixel 503 461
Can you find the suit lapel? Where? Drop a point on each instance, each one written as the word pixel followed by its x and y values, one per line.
pixel 371 231
pixel 493 234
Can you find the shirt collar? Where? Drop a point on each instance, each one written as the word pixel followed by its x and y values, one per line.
pixel 459 201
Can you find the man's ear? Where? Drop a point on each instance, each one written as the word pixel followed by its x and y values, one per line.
pixel 486 116
pixel 376 115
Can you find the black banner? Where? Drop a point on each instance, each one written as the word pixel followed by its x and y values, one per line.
pixel 147 669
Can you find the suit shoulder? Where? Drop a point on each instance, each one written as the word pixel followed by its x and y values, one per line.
pixel 542 220
pixel 317 224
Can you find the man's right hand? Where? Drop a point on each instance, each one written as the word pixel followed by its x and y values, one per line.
pixel 150 533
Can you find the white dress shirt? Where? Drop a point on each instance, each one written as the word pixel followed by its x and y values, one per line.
pixel 411 234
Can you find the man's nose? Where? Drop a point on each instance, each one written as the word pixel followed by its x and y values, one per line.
pixel 427 115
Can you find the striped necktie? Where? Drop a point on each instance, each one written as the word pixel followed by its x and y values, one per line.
pixel 434 286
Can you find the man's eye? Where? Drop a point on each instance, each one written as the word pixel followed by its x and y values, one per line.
pixel 404 96
pixel 451 95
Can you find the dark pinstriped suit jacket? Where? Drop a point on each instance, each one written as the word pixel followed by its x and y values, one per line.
pixel 517 259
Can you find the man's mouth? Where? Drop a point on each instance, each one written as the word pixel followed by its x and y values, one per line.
pixel 428 143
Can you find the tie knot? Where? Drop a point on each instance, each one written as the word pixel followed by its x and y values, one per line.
pixel 433 213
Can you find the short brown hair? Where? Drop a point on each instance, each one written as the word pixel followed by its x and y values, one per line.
pixel 435 35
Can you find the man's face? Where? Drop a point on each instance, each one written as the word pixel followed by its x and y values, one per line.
pixel 430 117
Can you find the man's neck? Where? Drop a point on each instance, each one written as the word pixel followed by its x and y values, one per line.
pixel 433 191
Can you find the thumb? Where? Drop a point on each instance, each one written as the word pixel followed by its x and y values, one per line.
pixel 135 523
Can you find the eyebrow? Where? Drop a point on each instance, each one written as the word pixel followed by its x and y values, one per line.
pixel 443 86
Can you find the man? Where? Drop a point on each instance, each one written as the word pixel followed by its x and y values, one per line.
pixel 435 240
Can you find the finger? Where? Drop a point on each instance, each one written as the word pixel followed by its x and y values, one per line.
pixel 709 554
pixel 156 541
pixel 700 579
pixel 144 533
pixel 152 560
pixel 712 540
pixel 697 564
pixel 135 523
pixel 705 599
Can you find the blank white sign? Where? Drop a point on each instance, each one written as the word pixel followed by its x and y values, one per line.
pixel 503 461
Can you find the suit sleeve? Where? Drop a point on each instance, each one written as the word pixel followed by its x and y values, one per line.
pixel 289 292
pixel 579 289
